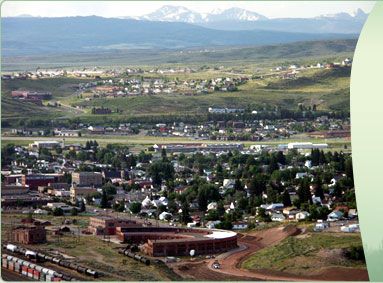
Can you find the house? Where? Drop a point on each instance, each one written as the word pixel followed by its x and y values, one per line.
pixel 352 228
pixel 302 215
pixel 352 213
pixel 67 209
pixel 290 212
pixel 212 224
pixel 335 216
pixel 228 183
pixel 273 206
pixel 212 206
pixel 301 175
pixel 278 217
pixel 165 216
pixel 321 225
pixel 239 225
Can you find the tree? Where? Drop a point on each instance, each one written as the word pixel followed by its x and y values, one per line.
pixel 109 189
pixel 185 215
pixel 219 172
pixel 161 170
pixel 226 225
pixel 73 211
pixel 82 206
pixel 286 199
pixel 348 169
pixel 212 215
pixel 304 192
pixel 135 207
pixel 58 211
pixel 273 165
pixel 104 200
pixel 263 216
pixel 257 185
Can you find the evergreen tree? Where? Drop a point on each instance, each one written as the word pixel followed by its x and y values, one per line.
pixel 286 198
pixel 104 200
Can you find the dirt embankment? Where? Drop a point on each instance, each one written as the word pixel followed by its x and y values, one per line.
pixel 249 244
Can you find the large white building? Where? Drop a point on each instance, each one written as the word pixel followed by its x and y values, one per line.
pixel 45 144
pixel 306 145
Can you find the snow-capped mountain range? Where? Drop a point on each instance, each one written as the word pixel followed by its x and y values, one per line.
pixel 170 13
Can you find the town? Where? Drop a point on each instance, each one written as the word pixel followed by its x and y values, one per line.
pixel 196 191
pixel 195 163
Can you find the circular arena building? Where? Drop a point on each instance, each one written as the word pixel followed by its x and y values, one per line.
pixel 169 241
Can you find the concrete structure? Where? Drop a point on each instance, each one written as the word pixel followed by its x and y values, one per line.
pixel 169 241
pixel 87 179
pixel 29 235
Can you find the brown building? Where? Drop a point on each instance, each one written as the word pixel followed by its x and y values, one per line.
pixel 81 192
pixel 9 190
pixel 87 178
pixel 29 235
pixel 106 225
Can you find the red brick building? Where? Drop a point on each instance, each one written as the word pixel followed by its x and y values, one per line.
pixel 29 235
pixel 169 241
pixel 106 225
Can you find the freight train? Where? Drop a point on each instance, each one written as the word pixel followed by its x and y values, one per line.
pixel 38 256
pixel 127 252
pixel 32 270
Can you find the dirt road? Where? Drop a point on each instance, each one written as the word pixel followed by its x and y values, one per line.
pixel 251 243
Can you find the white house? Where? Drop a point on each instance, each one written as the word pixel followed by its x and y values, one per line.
pixel 302 215
pixel 320 226
pixel 240 225
pixel 278 217
pixel 212 224
pixel 165 215
pixel 335 216
pixel 212 205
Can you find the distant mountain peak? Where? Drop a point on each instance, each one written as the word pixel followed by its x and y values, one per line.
pixel 236 14
pixel 358 14
pixel 170 13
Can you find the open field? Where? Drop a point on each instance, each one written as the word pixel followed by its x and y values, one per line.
pixel 327 89
pixel 254 244
pixel 141 142
pixel 327 92
pixel 307 253
pixel 233 56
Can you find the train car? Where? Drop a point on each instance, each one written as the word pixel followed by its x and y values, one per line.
pixel 11 265
pixel 92 273
pixel 30 272
pixel 56 260
pixel 81 269
pixel 24 270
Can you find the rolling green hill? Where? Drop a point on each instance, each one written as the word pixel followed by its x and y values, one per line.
pixel 327 89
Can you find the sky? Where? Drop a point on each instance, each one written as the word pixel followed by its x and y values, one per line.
pixel 271 9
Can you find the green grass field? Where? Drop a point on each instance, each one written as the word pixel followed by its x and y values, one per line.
pixel 311 251
pixel 140 142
